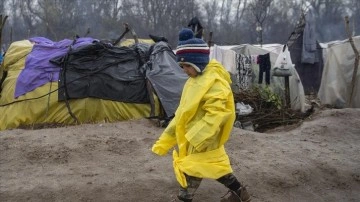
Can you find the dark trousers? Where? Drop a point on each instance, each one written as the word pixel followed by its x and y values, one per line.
pixel 264 67
pixel 186 194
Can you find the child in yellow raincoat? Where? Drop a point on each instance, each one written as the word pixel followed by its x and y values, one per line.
pixel 202 123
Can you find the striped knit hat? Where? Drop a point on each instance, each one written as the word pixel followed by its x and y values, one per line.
pixel 191 50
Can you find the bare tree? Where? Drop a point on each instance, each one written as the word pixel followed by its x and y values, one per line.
pixel 225 22
pixel 282 20
pixel 231 21
pixel 28 17
pixel 330 14
pixel 354 5
pixel 211 10
pixel 161 17
pixel 180 13
pixel 260 10
pixel 2 6
pixel 2 25
pixel 239 12
pixel 224 19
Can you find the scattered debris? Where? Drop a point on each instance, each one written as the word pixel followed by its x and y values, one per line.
pixel 267 113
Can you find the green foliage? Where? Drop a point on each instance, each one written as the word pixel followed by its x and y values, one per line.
pixel 268 96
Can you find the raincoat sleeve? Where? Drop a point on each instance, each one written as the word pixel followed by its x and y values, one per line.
pixel 217 112
pixel 166 141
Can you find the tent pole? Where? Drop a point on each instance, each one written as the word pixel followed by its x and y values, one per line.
pixel 210 39
pixel 357 56
pixel 287 92
pixel 122 35
pixel 2 24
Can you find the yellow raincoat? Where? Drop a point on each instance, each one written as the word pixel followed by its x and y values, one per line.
pixel 201 126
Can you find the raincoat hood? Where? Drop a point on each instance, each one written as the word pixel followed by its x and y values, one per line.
pixel 216 68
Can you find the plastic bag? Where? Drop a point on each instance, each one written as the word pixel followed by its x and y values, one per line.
pixel 243 109
pixel 283 63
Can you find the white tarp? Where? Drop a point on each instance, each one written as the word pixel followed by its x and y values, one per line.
pixel 227 54
pixel 335 87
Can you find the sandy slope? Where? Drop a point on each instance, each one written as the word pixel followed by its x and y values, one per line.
pixel 316 161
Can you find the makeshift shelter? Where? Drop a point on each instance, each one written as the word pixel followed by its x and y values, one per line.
pixel 87 81
pixel 306 52
pixel 240 61
pixel 336 83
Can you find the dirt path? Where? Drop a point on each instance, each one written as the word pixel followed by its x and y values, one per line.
pixel 316 161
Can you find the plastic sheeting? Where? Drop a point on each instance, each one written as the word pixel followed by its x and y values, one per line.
pixel 297 95
pixel 339 63
pixel 102 71
pixel 38 69
pixel 41 105
pixel 166 77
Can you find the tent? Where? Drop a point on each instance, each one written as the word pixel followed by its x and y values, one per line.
pixel 336 83
pixel 245 73
pixel 325 69
pixel 306 53
pixel 87 81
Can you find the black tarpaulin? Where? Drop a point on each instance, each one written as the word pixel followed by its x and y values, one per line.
pixel 102 71
pixel 166 76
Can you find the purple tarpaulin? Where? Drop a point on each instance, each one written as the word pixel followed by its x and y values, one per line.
pixel 38 70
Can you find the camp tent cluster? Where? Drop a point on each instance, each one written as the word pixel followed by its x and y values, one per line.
pixel 325 70
pixel 330 79
pixel 87 81
pixel 243 64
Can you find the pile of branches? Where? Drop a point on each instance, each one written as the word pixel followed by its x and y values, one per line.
pixel 267 114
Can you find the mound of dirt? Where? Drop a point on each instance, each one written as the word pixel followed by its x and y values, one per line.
pixel 317 160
